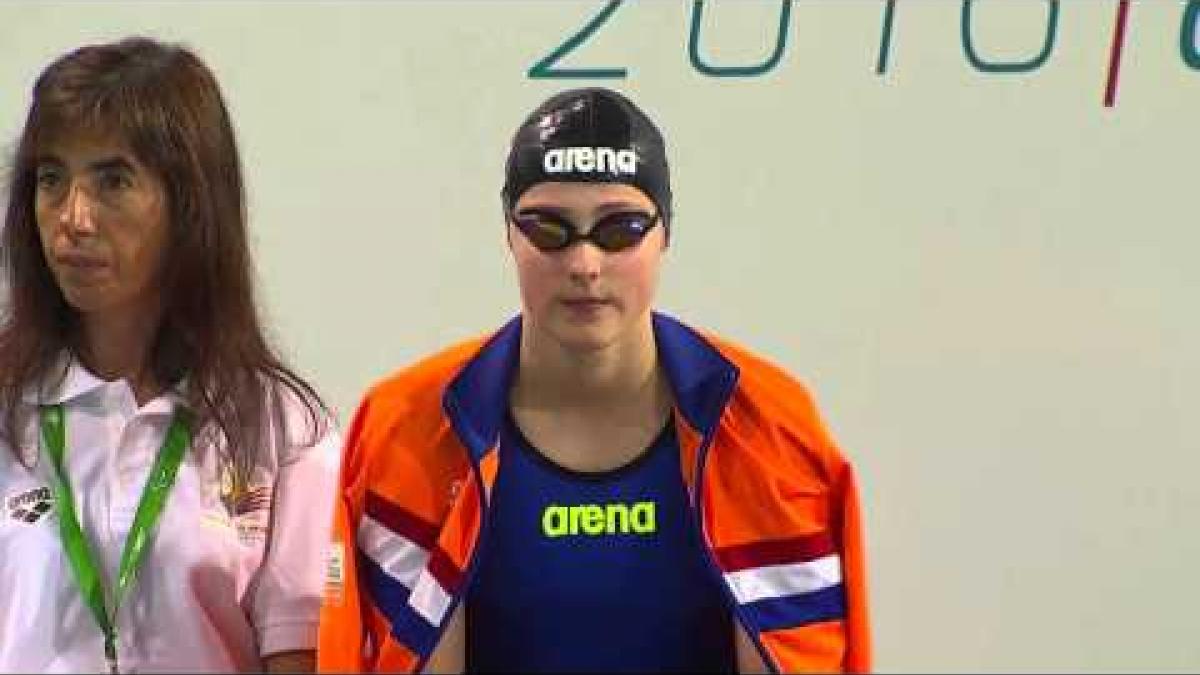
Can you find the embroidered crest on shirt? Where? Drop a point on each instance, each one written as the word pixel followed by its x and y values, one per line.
pixel 249 505
pixel 29 506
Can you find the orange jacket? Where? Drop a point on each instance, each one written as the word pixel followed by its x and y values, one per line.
pixel 776 503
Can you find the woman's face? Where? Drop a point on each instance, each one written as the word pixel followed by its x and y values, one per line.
pixel 583 297
pixel 102 219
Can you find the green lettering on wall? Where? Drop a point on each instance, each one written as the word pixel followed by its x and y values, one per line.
pixel 1009 66
pixel 1187 35
pixel 545 69
pixel 698 62
pixel 885 39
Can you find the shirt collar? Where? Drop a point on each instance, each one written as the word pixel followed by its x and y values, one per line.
pixel 66 382
pixel 59 388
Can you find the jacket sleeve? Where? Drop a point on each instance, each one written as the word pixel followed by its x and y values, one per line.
pixel 355 635
pixel 826 630
pixel 854 575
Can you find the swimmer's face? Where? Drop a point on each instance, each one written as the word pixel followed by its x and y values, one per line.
pixel 582 297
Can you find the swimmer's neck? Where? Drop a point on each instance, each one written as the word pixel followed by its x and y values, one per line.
pixel 622 373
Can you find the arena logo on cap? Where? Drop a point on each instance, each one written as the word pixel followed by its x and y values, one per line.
pixel 587 160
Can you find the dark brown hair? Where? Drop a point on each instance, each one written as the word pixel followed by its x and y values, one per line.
pixel 165 105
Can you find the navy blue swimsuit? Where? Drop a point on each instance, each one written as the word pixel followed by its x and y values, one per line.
pixel 594 571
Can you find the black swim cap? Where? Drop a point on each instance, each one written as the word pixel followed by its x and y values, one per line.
pixel 590 135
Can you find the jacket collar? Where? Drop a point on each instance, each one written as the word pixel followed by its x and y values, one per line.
pixel 476 400
pixel 701 377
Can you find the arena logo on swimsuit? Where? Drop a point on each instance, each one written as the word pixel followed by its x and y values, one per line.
pixel 587 160
pixel 595 520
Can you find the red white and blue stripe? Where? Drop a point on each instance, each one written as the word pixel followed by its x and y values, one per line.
pixel 412 581
pixel 786 583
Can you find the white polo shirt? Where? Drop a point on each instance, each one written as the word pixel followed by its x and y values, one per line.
pixel 228 577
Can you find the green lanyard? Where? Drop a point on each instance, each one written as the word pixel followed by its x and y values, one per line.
pixel 83 560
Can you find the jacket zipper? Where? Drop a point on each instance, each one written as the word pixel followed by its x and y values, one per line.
pixel 706 545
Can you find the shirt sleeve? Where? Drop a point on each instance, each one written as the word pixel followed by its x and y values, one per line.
pixel 290 582
pixel 343 638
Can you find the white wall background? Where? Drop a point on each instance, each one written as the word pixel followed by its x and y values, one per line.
pixel 987 280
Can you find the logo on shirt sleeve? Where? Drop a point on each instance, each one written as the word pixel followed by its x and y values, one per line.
pixel 29 506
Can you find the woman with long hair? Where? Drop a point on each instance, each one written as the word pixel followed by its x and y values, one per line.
pixel 167 479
